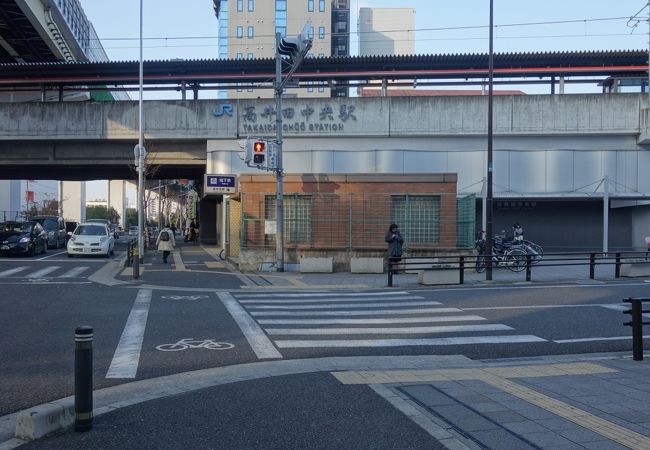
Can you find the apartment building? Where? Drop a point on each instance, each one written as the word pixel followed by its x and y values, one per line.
pixel 247 31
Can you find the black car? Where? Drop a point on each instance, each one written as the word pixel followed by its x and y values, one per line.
pixel 22 237
pixel 55 227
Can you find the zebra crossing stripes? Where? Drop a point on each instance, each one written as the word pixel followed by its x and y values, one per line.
pixel 41 273
pixel 369 319
pixel 45 272
pixel 10 272
pixel 74 272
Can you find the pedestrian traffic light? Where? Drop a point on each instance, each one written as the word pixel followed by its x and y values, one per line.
pixel 259 152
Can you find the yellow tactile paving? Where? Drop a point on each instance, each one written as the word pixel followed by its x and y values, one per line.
pixel 499 377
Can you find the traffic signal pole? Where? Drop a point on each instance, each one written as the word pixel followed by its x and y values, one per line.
pixel 279 197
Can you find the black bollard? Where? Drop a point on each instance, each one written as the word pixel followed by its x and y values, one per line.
pixel 136 262
pixel 83 378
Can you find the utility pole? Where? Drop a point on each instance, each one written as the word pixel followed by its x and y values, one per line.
pixel 279 197
pixel 140 155
pixel 489 243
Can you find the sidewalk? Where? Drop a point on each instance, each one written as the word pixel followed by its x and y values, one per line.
pixel 564 402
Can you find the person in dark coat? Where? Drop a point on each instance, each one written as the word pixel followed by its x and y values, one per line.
pixel 395 240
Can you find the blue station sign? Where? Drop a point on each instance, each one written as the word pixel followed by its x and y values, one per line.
pixel 220 184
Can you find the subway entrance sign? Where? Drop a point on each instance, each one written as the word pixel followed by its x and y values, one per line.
pixel 220 184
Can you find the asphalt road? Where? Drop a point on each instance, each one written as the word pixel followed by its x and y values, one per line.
pixel 39 316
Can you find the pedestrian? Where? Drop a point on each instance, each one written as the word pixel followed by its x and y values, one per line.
pixel 173 228
pixel 165 242
pixel 395 240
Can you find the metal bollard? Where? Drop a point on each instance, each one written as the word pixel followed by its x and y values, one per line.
pixel 617 271
pixel 637 330
pixel 83 378
pixel 390 273
pixel 592 266
pixel 136 263
pixel 529 263
pixel 461 266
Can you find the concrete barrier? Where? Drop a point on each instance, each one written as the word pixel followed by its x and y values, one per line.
pixel 638 269
pixel 366 265
pixel 439 276
pixel 317 265
pixel 45 419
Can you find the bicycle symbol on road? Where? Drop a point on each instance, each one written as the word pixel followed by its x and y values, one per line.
pixel 184 344
pixel 185 297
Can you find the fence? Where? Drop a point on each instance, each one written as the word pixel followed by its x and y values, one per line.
pixel 11 215
pixel 359 220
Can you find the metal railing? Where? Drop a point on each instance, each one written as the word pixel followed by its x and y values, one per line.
pixel 637 324
pixel 464 262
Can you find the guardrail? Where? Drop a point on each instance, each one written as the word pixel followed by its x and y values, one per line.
pixel 637 324
pixel 463 262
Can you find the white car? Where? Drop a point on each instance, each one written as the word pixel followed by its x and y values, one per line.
pixel 91 239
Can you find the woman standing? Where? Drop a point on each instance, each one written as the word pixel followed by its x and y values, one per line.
pixel 395 240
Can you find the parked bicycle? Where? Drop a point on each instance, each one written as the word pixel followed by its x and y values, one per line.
pixel 511 257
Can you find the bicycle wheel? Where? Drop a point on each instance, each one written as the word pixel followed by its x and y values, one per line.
pixel 212 345
pixel 171 347
pixel 515 259
pixel 480 264
pixel 539 252
pixel 222 254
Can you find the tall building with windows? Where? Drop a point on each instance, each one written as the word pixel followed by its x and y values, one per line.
pixel 386 31
pixel 247 31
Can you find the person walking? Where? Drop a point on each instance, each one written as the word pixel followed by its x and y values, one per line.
pixel 165 242
pixel 395 240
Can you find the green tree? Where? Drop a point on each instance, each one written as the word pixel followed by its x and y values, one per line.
pixel 131 217
pixel 102 212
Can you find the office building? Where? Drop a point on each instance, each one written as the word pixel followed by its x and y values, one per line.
pixel 386 31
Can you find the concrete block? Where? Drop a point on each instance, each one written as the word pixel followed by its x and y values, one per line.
pixel 317 265
pixel 44 419
pixel 415 265
pixel 640 269
pixel 366 265
pixel 439 276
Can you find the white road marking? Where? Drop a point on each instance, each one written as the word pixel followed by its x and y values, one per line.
pixel 37 281
pixel 384 330
pixel 615 338
pixel 13 271
pixel 348 305
pixel 375 312
pixel 51 256
pixel 259 342
pixel 276 301
pixel 378 321
pixel 515 339
pixel 41 273
pixel 178 262
pixel 127 355
pixel 322 294
pixel 479 308
pixel 74 272
pixel 545 286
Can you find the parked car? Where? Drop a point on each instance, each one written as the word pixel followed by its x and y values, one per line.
pixel 111 226
pixel 55 227
pixel 69 228
pixel 22 237
pixel 133 231
pixel 91 238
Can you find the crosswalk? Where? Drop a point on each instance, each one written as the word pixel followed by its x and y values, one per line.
pixel 369 319
pixel 36 272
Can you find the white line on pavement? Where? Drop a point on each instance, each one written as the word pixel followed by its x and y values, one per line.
pixel 276 301
pixel 74 272
pixel 478 308
pixel 41 273
pixel 515 339
pixel 259 342
pixel 375 312
pixel 378 321
pixel 51 256
pixel 127 355
pixel 385 330
pixel 345 305
pixel 178 262
pixel 13 271
pixel 615 338
pixel 323 294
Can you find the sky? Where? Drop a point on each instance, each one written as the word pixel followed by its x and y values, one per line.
pixel 188 29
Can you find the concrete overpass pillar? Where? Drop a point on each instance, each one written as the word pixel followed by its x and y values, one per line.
pixel 117 199
pixel 74 200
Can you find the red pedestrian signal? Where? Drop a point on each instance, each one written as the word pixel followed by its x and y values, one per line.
pixel 259 152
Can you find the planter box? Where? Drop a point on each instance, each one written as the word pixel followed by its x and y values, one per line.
pixel 439 276
pixel 325 265
pixel 640 269
pixel 366 265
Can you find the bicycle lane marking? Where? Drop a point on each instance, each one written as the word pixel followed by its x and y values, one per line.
pixel 258 340
pixel 127 354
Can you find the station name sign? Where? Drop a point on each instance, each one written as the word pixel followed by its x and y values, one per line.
pixel 220 184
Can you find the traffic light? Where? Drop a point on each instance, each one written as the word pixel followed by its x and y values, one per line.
pixel 259 152
pixel 295 47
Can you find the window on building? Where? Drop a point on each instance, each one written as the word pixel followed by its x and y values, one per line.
pixel 310 5
pixel 281 30
pixel 240 56
pixel 240 5
pixel 310 86
pixel 251 5
pixel 250 56
pixel 297 217
pixel 321 86
pixel 250 32
pixel 239 89
pixel 310 32
pixel 240 32
pixel 280 5
pixel 250 87
pixel 321 32
pixel 321 5
pixel 418 217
